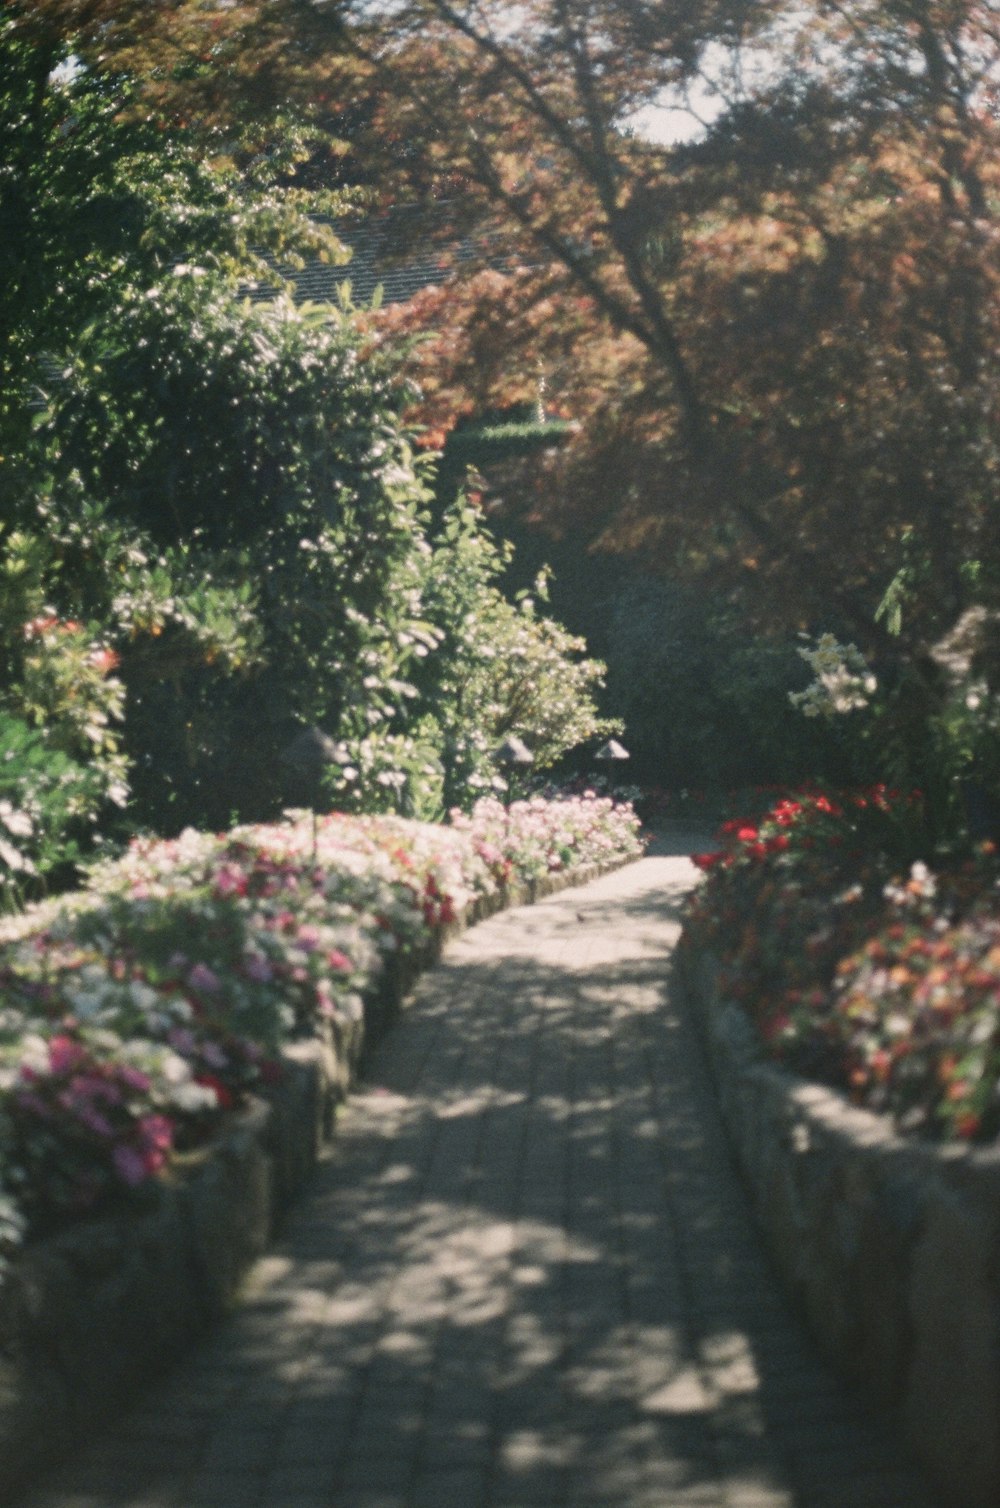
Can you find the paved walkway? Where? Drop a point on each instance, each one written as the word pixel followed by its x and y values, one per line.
pixel 524 1276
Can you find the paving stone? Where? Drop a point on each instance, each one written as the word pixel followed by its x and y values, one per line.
pixel 370 1497
pixel 225 1490
pixel 460 1488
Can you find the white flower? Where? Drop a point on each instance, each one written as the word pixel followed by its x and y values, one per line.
pixel 35 1053
pixel 143 996
pixel 192 1098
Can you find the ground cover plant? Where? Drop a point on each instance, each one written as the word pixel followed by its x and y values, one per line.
pixel 861 965
pixel 136 1015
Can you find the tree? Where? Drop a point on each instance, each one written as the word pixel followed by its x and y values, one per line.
pixel 98 197
pixel 774 336
pixel 103 201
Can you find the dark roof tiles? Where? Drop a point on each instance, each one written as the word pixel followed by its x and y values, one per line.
pixel 401 251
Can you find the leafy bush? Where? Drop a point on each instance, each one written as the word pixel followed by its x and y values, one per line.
pixel 49 803
pixel 61 761
pixel 267 505
pixel 501 667
pixel 97 198
pixel 483 667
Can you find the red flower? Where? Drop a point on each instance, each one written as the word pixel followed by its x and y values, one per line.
pixel 105 660
pixel 223 1093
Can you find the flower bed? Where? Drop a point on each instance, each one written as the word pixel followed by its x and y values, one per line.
pixel 859 966
pixel 139 1015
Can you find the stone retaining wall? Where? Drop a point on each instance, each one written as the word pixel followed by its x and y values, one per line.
pixel 88 1315
pixel 891 1247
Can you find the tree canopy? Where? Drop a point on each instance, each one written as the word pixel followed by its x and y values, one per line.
pixel 775 335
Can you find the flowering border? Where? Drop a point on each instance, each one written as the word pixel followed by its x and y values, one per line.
pixel 140 1014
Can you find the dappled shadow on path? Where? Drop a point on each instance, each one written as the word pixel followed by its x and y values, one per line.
pixel 525 1275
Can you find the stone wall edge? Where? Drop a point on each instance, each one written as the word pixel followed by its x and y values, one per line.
pixel 889 1246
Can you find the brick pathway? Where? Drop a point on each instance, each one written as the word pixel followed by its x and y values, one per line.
pixel 524 1276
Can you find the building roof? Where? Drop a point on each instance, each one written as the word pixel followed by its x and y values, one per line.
pixel 401 251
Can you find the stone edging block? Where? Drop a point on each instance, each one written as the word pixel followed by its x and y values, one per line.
pixel 91 1313
pixel 890 1246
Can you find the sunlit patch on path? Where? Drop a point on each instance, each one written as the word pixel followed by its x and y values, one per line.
pixel 525 1274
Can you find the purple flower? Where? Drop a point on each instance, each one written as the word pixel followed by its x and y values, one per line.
pixel 213 1055
pixel 134 1078
pixel 93 1119
pixel 35 1104
pixel 129 1165
pixel 257 967
pixel 204 979
pixel 182 1041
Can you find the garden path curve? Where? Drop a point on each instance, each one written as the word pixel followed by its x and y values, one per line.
pixel 524 1275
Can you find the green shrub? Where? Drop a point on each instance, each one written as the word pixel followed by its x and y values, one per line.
pixel 49 806
pixel 703 700
pixel 499 668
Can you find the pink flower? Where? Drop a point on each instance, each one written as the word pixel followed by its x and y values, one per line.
pixel 65 1054
pixel 105 660
pixel 325 1002
pixel 338 960
pixel 157 1133
pixel 135 1164
pixel 230 881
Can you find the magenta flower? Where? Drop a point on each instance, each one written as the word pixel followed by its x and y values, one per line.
pixel 230 881
pixel 157 1132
